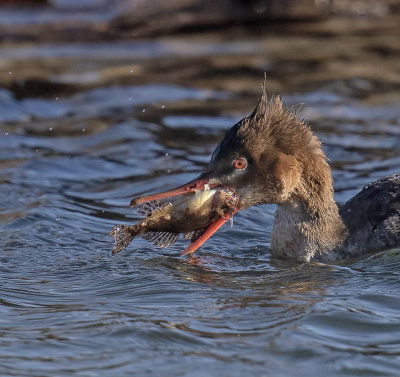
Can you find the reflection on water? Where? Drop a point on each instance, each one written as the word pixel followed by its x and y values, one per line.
pixel 84 127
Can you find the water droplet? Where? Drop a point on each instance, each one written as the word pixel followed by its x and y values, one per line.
pixel 143 110
pixel 163 106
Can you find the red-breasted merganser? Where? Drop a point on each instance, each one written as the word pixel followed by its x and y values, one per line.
pixel 272 157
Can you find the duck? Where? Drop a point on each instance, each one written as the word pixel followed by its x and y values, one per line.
pixel 272 157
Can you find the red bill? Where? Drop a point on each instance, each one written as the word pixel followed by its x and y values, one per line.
pixel 193 186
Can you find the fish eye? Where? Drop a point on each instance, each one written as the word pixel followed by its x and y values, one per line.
pixel 240 163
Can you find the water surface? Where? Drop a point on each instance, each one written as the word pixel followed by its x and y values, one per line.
pixel 84 126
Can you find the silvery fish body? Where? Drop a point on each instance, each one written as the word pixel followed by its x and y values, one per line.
pixel 189 214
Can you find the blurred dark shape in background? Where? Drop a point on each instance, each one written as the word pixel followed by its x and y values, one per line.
pixel 57 20
pixel 332 37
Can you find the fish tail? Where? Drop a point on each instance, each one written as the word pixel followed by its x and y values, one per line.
pixel 123 236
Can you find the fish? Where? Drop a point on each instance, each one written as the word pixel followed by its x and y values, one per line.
pixel 197 214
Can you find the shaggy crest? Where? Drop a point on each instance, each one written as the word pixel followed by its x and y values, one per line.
pixel 274 124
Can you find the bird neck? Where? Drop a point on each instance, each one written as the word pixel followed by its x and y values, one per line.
pixel 308 224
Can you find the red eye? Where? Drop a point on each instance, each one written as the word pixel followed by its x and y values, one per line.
pixel 240 163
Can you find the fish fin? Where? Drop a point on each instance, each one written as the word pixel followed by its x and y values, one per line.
pixel 162 239
pixel 148 208
pixel 197 233
pixel 123 236
pixel 188 235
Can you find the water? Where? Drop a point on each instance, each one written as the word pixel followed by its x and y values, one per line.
pixel 83 130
